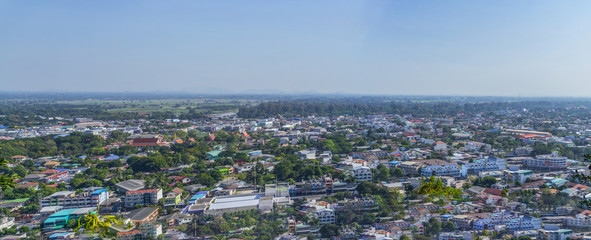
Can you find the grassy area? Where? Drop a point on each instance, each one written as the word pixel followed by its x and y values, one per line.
pixel 165 105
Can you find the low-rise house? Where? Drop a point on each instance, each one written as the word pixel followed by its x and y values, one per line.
pixel 173 198
pixel 179 219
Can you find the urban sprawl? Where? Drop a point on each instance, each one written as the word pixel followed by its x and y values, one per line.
pixel 506 174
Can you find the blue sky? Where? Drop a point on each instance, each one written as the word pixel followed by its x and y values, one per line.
pixel 506 48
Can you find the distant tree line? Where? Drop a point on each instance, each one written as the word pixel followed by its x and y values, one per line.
pixel 361 107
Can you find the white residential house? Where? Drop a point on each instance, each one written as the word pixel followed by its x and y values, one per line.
pixel 474 146
pixel 326 156
pixel 6 222
pixel 307 154
pixel 440 146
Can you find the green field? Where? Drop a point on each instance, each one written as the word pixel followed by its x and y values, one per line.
pixel 166 105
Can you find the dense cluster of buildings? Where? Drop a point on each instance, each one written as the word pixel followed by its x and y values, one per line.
pixel 455 150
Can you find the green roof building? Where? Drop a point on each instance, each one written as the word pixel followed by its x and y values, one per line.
pixel 213 155
pixel 57 220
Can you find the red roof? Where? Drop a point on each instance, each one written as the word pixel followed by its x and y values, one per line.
pixel 580 187
pixel 493 191
pixel 147 141
pixel 142 191
pixel 133 232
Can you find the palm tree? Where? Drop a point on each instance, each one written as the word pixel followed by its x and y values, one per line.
pixel 92 221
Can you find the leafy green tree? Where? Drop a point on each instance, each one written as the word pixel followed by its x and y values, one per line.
pixel 434 186
pixel 329 230
pixel 433 228
pixel 485 182
pixel 383 173
pixel 397 172
pixel 7 180
pixel 448 226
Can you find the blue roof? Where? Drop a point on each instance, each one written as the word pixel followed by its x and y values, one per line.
pixel 2 127
pixel 112 157
pixel 197 197
pixel 99 191
pixel 55 235
pixel 395 162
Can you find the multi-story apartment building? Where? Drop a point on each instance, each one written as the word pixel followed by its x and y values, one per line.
pixel 484 165
pixel 466 235
pixel 311 187
pixel 325 215
pixel 516 175
pixel 142 197
pixel 69 199
pixel 580 221
pixel 511 222
pixel 552 232
pixel 361 173
pixel 357 204
pixel 436 167
pixel 364 155
pixel 551 162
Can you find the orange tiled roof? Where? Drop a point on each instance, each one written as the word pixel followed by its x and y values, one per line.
pixel 133 232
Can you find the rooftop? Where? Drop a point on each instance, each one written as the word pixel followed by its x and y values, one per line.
pixel 141 214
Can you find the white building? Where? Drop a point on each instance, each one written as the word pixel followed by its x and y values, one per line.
pixel 440 146
pixel 581 220
pixel 326 156
pixel 142 197
pixel 325 215
pixel 484 165
pixel 552 232
pixel 69 199
pixel 465 235
pixel 516 175
pixel 550 162
pixel 510 222
pixel 474 146
pixel 6 222
pixel 436 167
pixel 306 154
pixel 361 173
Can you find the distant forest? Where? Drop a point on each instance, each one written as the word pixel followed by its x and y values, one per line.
pixel 359 107
pixel 27 109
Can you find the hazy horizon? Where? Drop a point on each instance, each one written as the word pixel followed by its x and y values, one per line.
pixel 451 48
